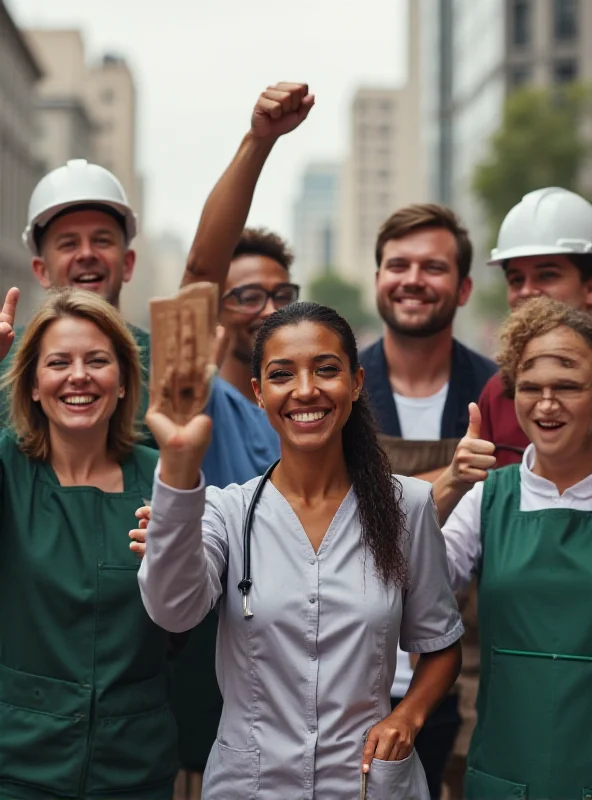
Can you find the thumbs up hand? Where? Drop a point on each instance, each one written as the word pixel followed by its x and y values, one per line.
pixel 473 455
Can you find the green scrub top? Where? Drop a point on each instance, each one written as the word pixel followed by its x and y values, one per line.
pixel 83 674
pixel 534 710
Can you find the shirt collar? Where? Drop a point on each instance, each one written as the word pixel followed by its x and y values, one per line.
pixel 546 488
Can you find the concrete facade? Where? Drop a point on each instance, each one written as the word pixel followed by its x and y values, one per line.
pixel 19 170
pixel 385 169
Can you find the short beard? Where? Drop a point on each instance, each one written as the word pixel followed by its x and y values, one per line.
pixel 432 327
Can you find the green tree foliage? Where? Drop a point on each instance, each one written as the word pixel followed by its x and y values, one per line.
pixel 544 140
pixel 345 297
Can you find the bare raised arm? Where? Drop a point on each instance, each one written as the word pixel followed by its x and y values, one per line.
pixel 280 109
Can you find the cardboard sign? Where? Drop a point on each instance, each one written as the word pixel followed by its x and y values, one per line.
pixel 182 362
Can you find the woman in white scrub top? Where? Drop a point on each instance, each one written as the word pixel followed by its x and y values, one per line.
pixel 345 560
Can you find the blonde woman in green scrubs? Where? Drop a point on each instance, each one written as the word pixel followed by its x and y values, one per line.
pixel 83 689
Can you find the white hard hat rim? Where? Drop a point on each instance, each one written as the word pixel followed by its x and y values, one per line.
pixel 524 251
pixel 43 218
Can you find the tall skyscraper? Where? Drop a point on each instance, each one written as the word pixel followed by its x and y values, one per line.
pixel 385 169
pixel 19 169
pixel 316 222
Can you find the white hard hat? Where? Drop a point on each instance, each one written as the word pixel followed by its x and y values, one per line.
pixel 549 221
pixel 76 183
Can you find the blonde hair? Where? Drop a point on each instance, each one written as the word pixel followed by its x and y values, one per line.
pixel 535 318
pixel 27 417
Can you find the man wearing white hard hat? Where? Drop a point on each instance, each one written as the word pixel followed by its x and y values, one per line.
pixel 80 228
pixel 81 208
pixel 544 247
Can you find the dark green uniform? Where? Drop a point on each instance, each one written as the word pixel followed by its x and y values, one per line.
pixel 534 731
pixel 83 677
pixel 142 340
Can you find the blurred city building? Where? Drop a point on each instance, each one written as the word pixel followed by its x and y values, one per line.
pixel 316 221
pixel 472 55
pixel 385 168
pixel 89 111
pixel 19 170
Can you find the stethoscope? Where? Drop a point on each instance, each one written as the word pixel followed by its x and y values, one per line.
pixel 246 583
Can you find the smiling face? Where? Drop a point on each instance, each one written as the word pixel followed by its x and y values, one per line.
pixel 250 271
pixel 554 396
pixel 78 381
pixel 417 283
pixel 86 250
pixel 306 386
pixel 552 276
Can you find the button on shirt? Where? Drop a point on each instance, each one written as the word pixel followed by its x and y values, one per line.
pixel 462 531
pixel 310 672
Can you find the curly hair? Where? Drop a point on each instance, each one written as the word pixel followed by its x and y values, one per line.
pixel 535 318
pixel 424 216
pixel 261 242
pixel 378 493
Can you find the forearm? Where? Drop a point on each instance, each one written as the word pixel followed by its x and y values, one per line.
pixel 433 677
pixel 447 494
pixel 225 214
pixel 178 585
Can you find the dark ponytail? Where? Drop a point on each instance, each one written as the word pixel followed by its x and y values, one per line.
pixel 378 493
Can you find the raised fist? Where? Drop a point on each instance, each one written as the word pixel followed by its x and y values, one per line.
pixel 280 109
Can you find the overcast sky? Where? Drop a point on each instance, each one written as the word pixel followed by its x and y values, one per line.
pixel 199 66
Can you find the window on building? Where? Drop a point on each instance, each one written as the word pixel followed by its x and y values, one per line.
pixel 565 20
pixel 519 76
pixel 565 71
pixel 521 22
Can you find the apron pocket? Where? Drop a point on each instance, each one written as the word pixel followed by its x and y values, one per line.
pixel 231 773
pixel 43 732
pixel 397 780
pixel 518 718
pixel 135 738
pixel 479 786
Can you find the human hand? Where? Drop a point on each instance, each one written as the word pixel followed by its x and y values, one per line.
pixel 390 740
pixel 473 455
pixel 280 109
pixel 7 316
pixel 185 341
pixel 138 535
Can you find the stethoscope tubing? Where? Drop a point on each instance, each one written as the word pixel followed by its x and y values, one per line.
pixel 247 582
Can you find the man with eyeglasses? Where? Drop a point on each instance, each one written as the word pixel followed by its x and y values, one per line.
pixel 257 285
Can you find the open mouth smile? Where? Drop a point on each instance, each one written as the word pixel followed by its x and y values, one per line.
pixel 79 400
pixel 89 278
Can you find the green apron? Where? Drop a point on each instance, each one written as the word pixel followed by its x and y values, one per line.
pixel 83 675
pixel 534 711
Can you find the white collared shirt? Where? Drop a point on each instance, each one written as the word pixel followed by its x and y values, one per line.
pixel 462 531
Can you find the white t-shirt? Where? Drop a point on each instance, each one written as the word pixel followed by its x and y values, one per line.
pixel 421 417
pixel 403 674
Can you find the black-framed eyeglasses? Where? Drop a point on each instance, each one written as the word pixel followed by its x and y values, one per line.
pixel 252 298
